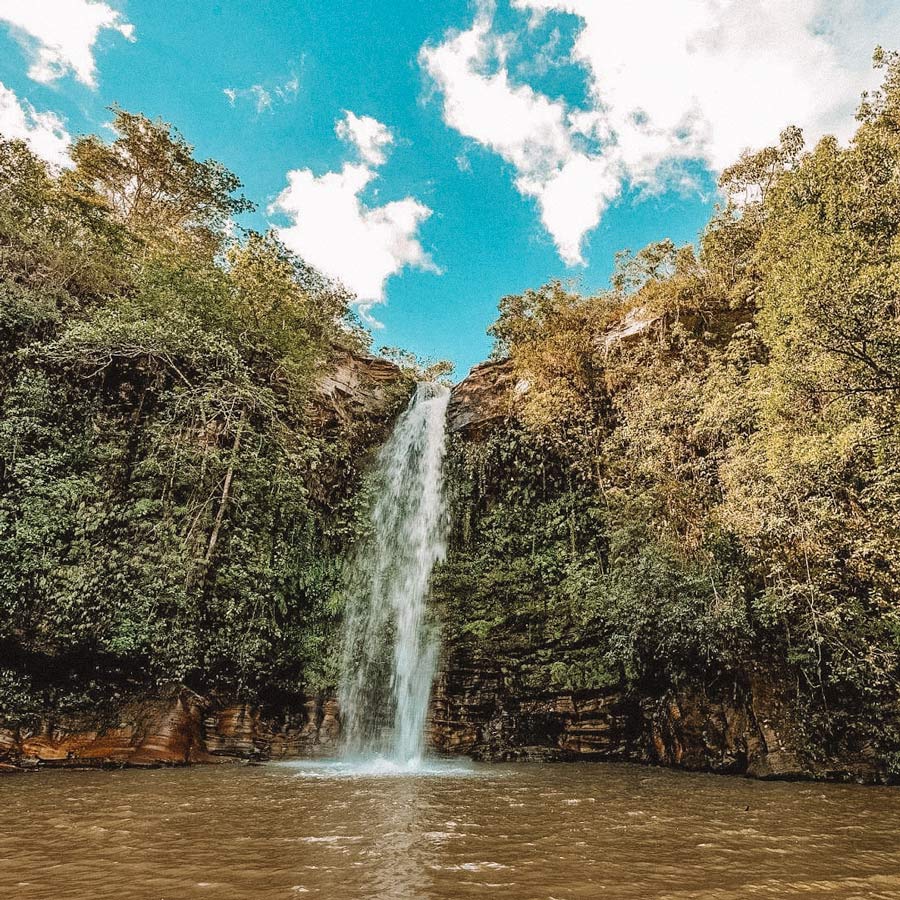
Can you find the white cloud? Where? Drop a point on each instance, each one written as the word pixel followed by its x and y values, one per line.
pixel 341 235
pixel 526 128
pixel 370 137
pixel 44 132
pixel 263 97
pixel 670 81
pixel 289 90
pixel 60 35
pixel 709 78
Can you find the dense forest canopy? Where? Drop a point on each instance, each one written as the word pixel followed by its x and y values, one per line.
pixel 169 510
pixel 700 478
pixel 702 475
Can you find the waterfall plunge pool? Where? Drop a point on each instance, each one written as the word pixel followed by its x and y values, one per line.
pixel 572 831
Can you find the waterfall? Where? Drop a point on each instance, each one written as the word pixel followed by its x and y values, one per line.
pixel 390 647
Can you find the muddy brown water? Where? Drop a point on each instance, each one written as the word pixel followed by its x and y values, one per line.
pixel 528 831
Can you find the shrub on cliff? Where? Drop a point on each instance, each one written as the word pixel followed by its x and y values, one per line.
pixel 167 509
pixel 703 474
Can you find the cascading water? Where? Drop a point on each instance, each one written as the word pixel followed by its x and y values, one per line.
pixel 390 648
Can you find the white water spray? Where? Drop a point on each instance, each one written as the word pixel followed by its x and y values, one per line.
pixel 390 648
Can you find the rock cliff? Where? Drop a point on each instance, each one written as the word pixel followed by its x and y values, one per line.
pixel 357 389
pixel 355 396
pixel 172 727
pixel 485 398
pixel 480 707
pixel 742 722
pixel 481 710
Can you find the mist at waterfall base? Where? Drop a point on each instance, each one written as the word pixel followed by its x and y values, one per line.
pixel 390 645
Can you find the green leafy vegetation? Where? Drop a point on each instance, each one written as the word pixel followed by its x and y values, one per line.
pixel 701 478
pixel 173 504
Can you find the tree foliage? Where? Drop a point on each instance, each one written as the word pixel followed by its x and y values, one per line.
pixel 702 475
pixel 169 507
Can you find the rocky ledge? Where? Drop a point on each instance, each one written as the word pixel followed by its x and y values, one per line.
pixel 356 388
pixel 174 727
pixel 484 398
pixel 480 710
pixel 489 394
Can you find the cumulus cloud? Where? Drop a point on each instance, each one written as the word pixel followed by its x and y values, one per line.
pixel 44 132
pixel 526 128
pixel 668 82
pixel 59 35
pixel 370 137
pixel 336 230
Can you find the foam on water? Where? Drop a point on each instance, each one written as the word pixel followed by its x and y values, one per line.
pixel 379 767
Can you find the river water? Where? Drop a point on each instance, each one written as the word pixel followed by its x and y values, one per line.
pixel 528 831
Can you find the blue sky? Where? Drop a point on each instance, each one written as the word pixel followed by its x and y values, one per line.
pixel 485 147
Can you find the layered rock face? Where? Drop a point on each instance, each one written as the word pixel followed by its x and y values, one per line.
pixel 174 727
pixel 252 732
pixel 356 389
pixel 479 709
pixel 483 707
pixel 151 731
pixel 484 399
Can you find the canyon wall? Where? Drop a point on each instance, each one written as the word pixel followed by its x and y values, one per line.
pixel 497 697
pixel 483 704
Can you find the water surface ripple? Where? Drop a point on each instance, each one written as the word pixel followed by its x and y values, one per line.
pixel 518 832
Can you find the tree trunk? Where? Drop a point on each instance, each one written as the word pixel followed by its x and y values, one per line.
pixel 226 493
